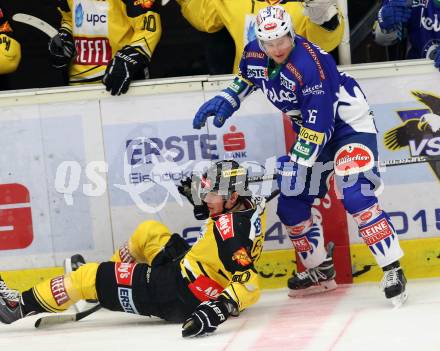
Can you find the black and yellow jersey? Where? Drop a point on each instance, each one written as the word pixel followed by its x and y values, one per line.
pixel 102 27
pixel 221 262
pixel 10 49
pixel 238 16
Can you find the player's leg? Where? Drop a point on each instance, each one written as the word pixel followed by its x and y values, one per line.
pixel 52 295
pixel 306 235
pixel 357 181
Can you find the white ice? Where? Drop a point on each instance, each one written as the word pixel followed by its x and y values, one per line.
pixel 353 317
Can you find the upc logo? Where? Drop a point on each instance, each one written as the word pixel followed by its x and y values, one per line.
pixel 15 217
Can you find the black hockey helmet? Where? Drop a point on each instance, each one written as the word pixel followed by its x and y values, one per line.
pixel 225 177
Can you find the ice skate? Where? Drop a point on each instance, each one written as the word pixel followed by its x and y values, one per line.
pixel 70 265
pixel 314 280
pixel 394 284
pixel 10 308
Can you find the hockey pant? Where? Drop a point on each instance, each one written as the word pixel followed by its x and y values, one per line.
pixel 149 286
pixel 354 163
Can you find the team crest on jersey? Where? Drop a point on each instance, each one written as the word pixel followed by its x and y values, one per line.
pixel 419 130
pixel 353 158
pixel 241 257
pixel 225 226
pixel 145 4
pixel 5 28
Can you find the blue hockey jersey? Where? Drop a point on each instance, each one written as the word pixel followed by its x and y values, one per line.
pixel 321 101
pixel 422 30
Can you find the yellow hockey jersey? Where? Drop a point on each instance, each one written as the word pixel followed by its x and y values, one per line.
pixel 238 16
pixel 102 27
pixel 222 261
pixel 10 50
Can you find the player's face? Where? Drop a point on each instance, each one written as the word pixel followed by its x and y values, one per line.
pixel 279 49
pixel 215 203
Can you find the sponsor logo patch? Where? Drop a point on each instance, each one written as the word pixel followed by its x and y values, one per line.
pixel 270 26
pixel 58 290
pixel 376 232
pixel 257 71
pixel 353 158
pixel 311 135
pixel 233 172
pixel 93 51
pixel 205 289
pixel 225 226
pixel 302 150
pixel 124 273
pixel 301 244
pixel 125 296
pixel 286 82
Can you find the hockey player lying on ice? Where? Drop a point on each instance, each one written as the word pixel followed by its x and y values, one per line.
pixel 156 273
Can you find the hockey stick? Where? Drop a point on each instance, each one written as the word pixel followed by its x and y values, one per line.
pixel 36 23
pixel 47 321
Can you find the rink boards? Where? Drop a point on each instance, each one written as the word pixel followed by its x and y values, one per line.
pixel 79 169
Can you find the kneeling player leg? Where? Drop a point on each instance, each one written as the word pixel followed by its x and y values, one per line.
pixel 144 244
pixel 59 293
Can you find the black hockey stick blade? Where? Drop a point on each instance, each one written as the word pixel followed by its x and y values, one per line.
pixel 64 318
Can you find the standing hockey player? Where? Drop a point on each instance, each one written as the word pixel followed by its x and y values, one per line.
pixel 336 132
pixel 415 22
pixel 156 274
pixel 110 41
pixel 317 20
pixel 10 50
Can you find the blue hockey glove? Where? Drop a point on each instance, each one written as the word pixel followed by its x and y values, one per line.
pixel 437 58
pixel 393 14
pixel 206 318
pixel 291 176
pixel 221 106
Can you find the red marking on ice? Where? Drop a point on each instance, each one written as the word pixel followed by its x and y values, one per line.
pixel 296 326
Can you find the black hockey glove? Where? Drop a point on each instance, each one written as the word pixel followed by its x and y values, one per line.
pixel 127 64
pixel 62 48
pixel 206 318
pixel 189 186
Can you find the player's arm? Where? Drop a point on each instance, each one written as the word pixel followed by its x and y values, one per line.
pixel 232 236
pixel 318 118
pixel 133 60
pixel 321 23
pixel 10 49
pixel 201 14
pixel 391 18
pixel 62 46
pixel 228 101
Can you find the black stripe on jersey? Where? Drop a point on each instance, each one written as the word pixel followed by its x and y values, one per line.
pixel 203 269
pixel 189 274
pixel 136 8
pixel 222 274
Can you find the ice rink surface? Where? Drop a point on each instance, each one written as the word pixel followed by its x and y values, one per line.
pixel 353 317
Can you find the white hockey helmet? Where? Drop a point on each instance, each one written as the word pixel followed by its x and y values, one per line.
pixel 273 22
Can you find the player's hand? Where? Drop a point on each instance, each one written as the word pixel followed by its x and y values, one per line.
pixel 221 106
pixel 62 48
pixel 393 14
pixel 189 187
pixel 125 65
pixel 320 11
pixel 205 319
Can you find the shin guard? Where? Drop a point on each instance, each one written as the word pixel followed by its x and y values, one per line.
pixel 378 233
pixel 308 239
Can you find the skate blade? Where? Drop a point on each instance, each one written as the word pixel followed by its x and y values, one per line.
pixel 399 300
pixel 315 289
